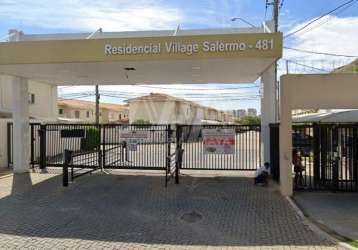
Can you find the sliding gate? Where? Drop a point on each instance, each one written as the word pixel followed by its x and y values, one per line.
pixel 147 147
pixel 243 144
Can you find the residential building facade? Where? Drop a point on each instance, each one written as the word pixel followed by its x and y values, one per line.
pixel 85 111
pixel 42 99
pixel 251 112
pixel 159 108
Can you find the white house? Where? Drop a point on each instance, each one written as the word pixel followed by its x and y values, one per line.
pixel 42 99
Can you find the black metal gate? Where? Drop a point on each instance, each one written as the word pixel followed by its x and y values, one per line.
pixel 329 154
pixel 245 156
pixel 149 153
pixel 34 144
pixel 104 146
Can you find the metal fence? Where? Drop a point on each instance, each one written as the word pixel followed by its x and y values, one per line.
pixel 104 146
pixel 329 155
pixel 246 155
pixel 86 150
pixel 34 144
pixel 150 153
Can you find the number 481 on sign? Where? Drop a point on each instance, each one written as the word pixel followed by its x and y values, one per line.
pixel 264 44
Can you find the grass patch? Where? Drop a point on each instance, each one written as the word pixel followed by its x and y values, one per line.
pixel 353 243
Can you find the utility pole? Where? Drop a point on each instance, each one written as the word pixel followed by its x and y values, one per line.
pixel 97 92
pixel 97 105
pixel 275 12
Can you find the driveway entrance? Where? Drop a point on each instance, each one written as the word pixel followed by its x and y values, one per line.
pixel 127 212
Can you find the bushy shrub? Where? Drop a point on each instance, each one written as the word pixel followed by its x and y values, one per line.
pixel 92 140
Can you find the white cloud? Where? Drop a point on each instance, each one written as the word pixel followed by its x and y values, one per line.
pixel 112 15
pixel 331 34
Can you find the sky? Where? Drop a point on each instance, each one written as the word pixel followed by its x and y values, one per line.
pixel 336 33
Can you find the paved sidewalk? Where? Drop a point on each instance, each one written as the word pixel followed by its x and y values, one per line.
pixel 336 211
pixel 4 172
pixel 137 212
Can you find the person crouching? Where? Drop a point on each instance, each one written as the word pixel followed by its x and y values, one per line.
pixel 262 174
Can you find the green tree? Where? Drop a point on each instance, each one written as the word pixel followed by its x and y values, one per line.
pixel 250 120
pixel 92 140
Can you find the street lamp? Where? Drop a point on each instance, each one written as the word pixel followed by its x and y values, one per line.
pixel 243 20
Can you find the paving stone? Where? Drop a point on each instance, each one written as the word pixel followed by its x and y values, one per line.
pixel 115 211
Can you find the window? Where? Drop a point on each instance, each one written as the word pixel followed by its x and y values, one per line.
pixel 120 116
pixel 60 111
pixel 31 98
pixel 77 114
pixel 87 114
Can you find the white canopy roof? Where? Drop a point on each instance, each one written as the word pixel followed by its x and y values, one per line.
pixel 333 116
pixel 143 57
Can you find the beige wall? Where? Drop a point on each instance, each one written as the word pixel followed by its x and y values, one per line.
pixel 105 114
pixel 166 112
pixel 70 113
pixel 45 106
pixel 153 112
pixel 117 116
pixel 172 112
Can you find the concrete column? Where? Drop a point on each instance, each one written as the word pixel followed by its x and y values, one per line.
pixel 285 141
pixel 54 109
pixel 268 102
pixel 20 117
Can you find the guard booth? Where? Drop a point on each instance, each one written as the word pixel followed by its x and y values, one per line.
pixel 148 57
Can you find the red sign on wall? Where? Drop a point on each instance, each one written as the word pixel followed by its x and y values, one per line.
pixel 219 141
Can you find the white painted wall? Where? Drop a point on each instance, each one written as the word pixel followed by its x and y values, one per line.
pixel 268 109
pixel 3 142
pixel 45 106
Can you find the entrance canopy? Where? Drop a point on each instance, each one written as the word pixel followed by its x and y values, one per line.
pixel 197 56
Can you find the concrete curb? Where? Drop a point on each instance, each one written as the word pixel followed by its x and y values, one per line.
pixel 315 226
pixel 5 176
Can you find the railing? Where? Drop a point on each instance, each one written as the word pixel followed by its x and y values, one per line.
pixel 76 172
